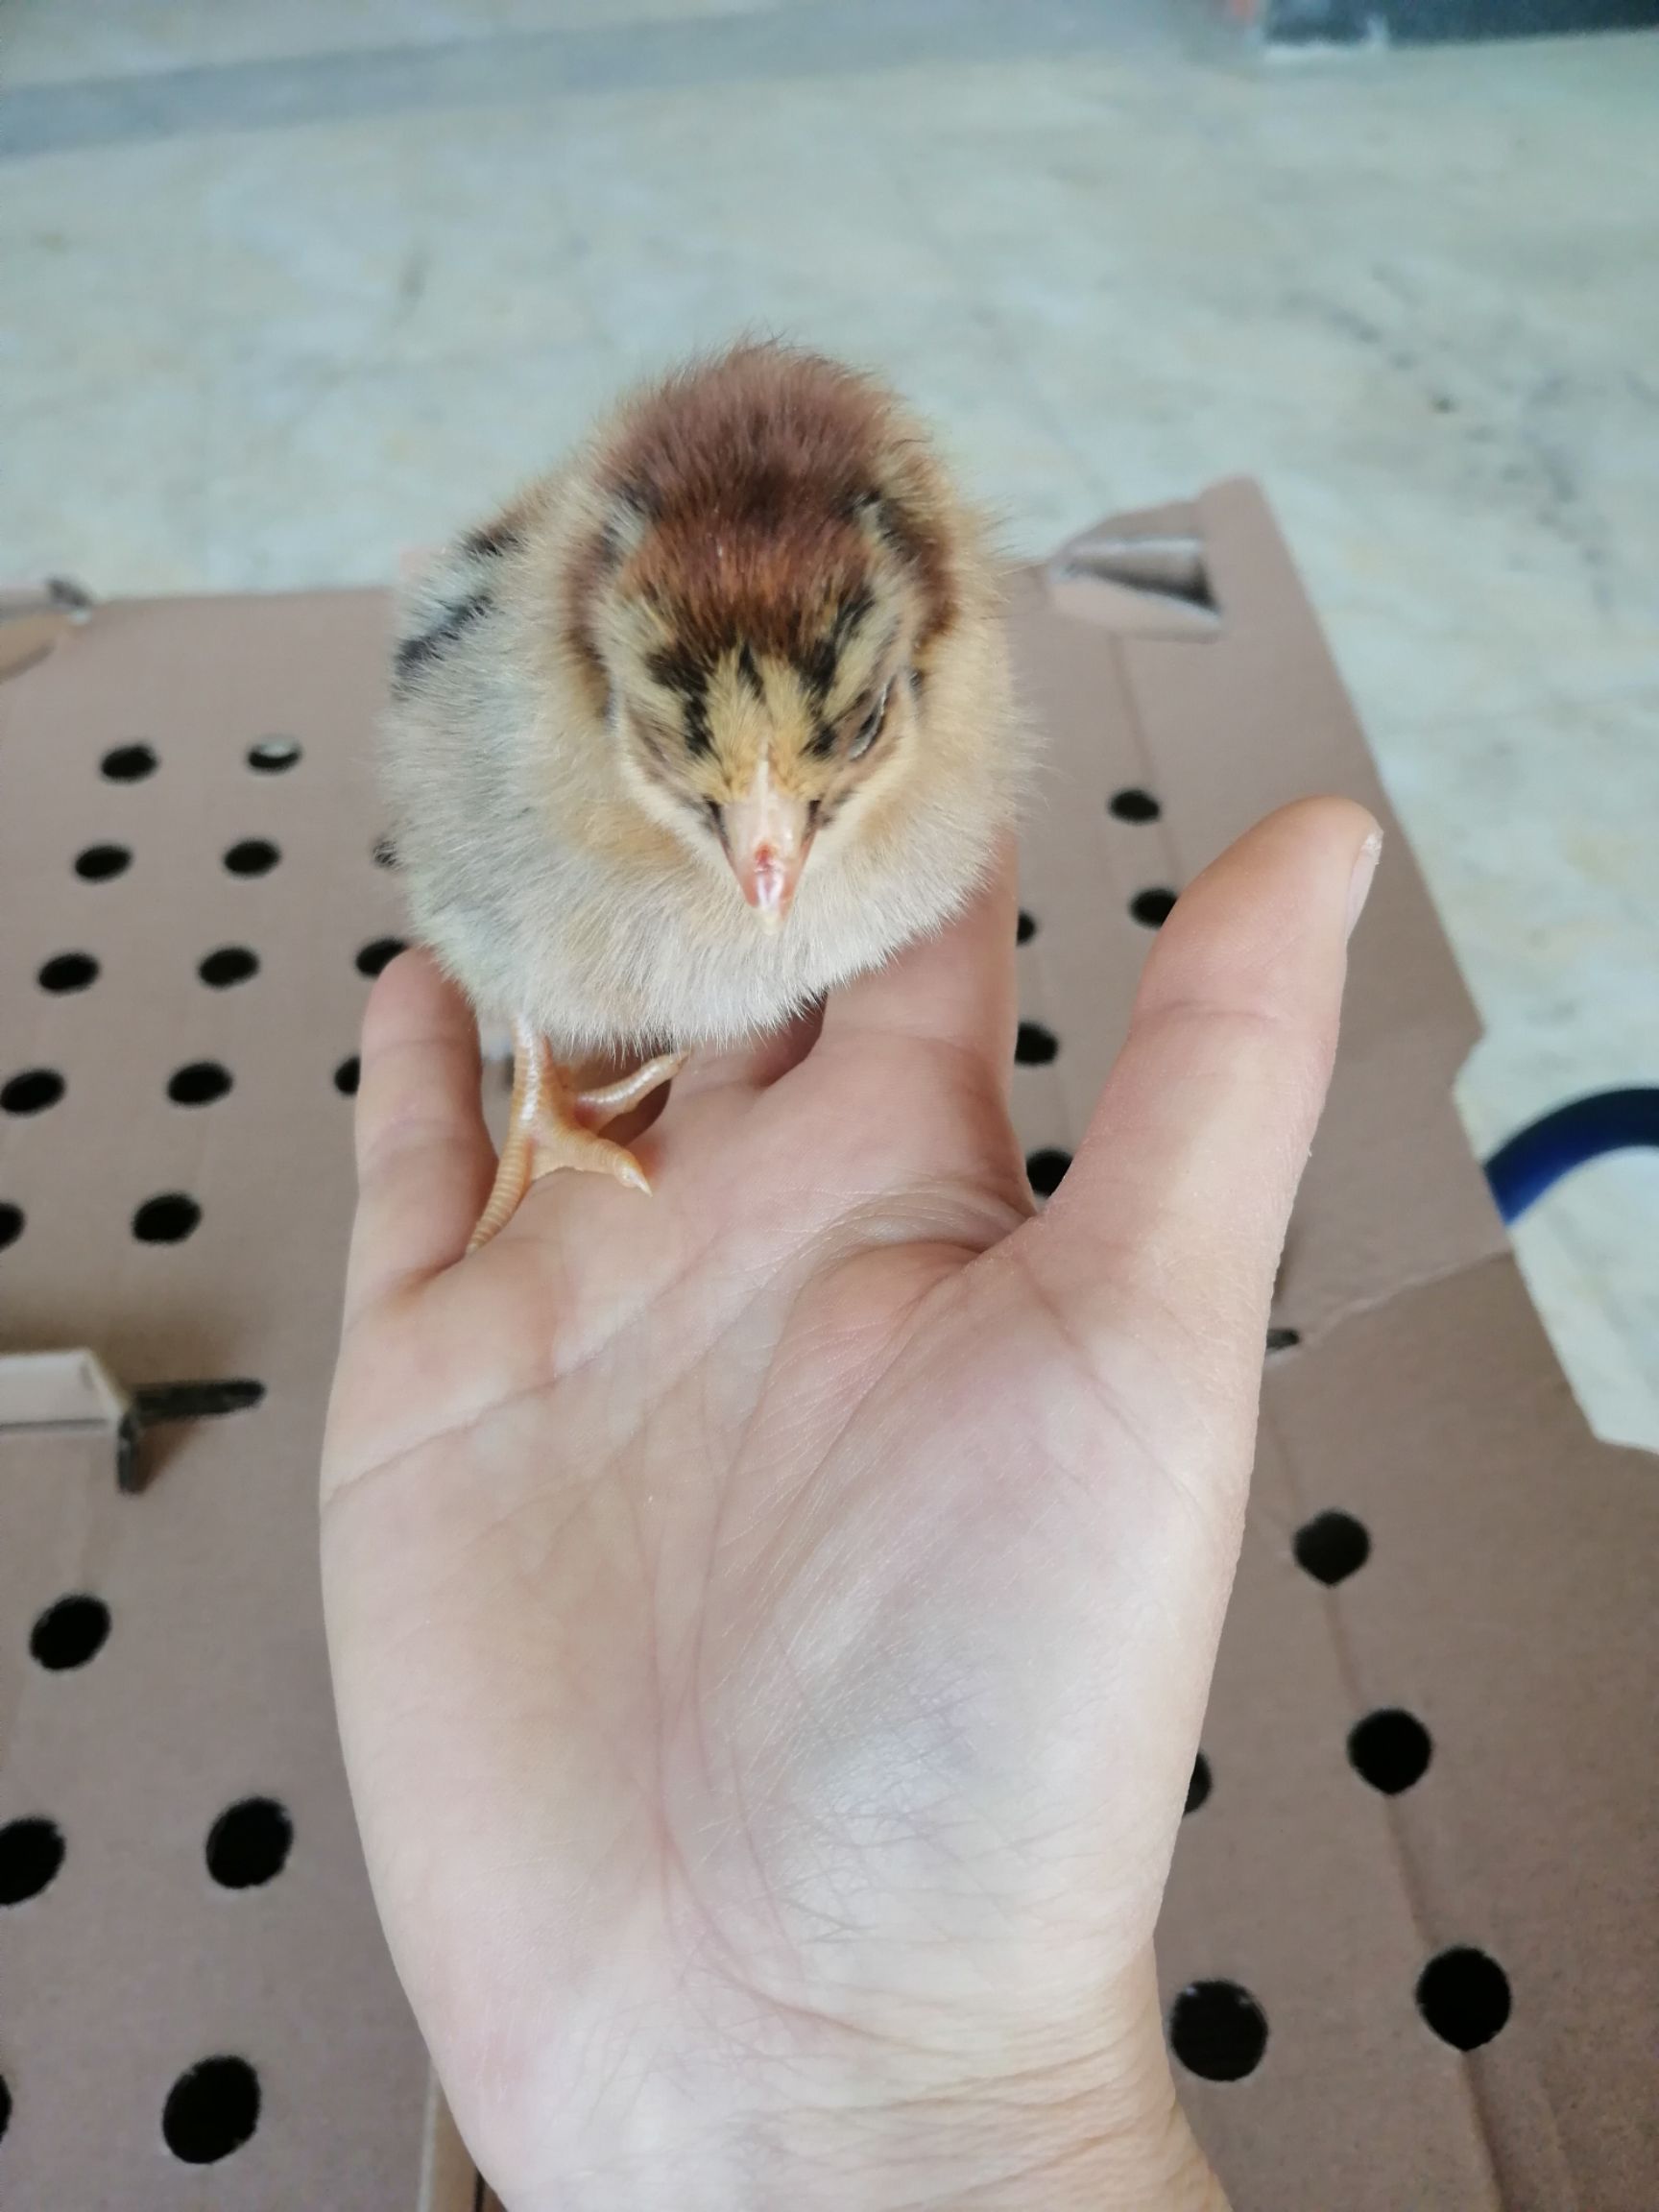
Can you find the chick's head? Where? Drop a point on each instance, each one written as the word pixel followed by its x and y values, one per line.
pixel 767 573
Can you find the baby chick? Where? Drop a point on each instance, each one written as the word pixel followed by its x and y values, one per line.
pixel 703 723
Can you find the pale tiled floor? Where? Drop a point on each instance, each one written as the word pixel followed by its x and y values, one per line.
pixel 1415 294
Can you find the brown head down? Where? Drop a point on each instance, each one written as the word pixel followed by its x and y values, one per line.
pixel 762 572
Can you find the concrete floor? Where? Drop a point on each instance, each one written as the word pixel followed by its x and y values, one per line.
pixel 293 284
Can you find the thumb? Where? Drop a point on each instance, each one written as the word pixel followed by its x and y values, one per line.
pixel 1168 1226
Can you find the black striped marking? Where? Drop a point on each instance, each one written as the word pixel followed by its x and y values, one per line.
pixel 414 653
pixel 680 670
pixel 494 539
pixel 819 661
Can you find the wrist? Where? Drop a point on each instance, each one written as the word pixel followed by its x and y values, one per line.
pixel 1094 2126
pixel 1058 2151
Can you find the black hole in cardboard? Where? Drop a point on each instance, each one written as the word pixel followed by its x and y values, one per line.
pixel 98 863
pixel 346 1077
pixel 1026 928
pixel 32 1092
pixel 1133 804
pixel 1034 1046
pixel 1284 1339
pixel 380 954
pixel 248 1843
pixel 211 2110
pixel 31 1853
pixel 1198 1788
pixel 128 764
pixel 1217 2030
pixel 1464 1996
pixel 253 857
pixel 68 972
pixel 11 1223
pixel 198 1083
pixel 271 754
pixel 1152 908
pixel 1390 1749
pixel 167 1218
pixel 1045 1169
pixel 385 853
pixel 5 2106
pixel 1332 1546
pixel 231 963
pixel 69 1633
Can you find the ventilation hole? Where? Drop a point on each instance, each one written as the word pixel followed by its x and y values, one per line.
pixel 128 764
pixel 211 2110
pixel 11 1223
pixel 1217 2030
pixel 1390 1749
pixel 271 754
pixel 1134 805
pixel 1332 1546
pixel 68 972
pixel 385 853
pixel 380 954
pixel 198 1083
pixel 99 862
pixel 1035 1046
pixel 32 1092
pixel 1464 1996
pixel 248 1843
pixel 1152 908
pixel 167 1219
pixel 1284 1339
pixel 346 1077
pixel 231 963
pixel 1198 1788
pixel 253 857
pixel 5 2106
pixel 69 1633
pixel 1045 1168
pixel 1026 928
pixel 31 1853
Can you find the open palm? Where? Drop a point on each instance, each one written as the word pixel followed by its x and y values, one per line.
pixel 771 1622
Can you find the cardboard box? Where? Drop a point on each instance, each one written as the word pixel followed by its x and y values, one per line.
pixel 1440 1562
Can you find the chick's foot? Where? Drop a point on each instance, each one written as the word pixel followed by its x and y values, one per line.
pixel 552 1125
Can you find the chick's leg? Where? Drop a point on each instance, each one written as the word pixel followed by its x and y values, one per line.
pixel 550 1126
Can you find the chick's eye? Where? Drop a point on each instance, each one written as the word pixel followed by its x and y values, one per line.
pixel 870 729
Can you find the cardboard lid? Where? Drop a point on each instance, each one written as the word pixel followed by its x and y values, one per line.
pixel 1495 1595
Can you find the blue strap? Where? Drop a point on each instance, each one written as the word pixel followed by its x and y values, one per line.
pixel 1539 1155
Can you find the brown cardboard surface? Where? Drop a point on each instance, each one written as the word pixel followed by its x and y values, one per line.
pixel 211 1687
pixel 1504 1603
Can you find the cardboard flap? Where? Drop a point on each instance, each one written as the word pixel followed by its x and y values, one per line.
pixel 1143 575
pixel 60 1390
pixel 34 620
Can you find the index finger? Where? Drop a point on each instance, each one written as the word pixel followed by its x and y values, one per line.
pixel 424 1160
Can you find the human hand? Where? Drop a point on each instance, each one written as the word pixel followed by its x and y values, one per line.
pixel 772 1622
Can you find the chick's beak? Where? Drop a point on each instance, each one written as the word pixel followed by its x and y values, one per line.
pixel 767 833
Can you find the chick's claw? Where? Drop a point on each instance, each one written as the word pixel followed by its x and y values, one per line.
pixel 550 1126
